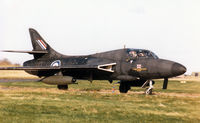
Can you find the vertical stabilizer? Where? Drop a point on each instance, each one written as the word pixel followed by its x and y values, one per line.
pixel 37 41
pixel 39 44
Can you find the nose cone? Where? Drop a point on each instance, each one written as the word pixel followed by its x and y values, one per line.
pixel 178 69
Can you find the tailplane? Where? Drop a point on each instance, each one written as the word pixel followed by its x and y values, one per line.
pixel 40 47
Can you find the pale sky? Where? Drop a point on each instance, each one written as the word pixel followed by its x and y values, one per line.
pixel 169 28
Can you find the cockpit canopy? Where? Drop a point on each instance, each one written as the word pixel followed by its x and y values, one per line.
pixel 140 53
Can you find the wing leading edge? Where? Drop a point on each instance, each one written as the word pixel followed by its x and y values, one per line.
pixel 104 67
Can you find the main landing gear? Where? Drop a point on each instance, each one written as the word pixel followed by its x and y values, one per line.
pixel 124 87
pixel 62 87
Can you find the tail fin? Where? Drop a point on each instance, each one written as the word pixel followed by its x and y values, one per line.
pixel 39 44
pixel 37 41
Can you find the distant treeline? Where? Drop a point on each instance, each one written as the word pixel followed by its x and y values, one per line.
pixel 6 62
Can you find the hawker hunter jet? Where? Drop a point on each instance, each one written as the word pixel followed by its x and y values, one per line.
pixel 132 67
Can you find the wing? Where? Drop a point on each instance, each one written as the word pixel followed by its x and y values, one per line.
pixel 29 68
pixel 103 67
pixel 19 80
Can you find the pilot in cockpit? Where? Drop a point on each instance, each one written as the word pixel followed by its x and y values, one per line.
pixel 133 54
pixel 141 54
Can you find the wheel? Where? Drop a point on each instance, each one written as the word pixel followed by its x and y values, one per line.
pixel 124 87
pixel 62 87
pixel 148 91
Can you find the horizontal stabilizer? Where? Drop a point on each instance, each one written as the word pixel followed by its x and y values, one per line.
pixel 30 52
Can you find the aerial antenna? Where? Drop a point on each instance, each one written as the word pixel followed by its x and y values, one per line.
pixel 124 46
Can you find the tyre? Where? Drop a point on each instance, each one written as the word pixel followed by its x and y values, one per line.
pixel 124 87
pixel 62 87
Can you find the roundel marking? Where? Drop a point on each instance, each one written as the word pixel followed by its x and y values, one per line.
pixel 56 63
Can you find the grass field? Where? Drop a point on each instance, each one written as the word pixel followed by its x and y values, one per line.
pixel 23 102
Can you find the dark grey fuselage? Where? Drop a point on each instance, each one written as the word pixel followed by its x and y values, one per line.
pixel 138 68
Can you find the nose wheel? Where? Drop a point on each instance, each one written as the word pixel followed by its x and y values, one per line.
pixel 149 90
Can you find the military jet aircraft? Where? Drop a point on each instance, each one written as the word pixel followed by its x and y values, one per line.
pixel 133 67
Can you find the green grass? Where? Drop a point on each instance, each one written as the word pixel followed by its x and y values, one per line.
pixel 22 102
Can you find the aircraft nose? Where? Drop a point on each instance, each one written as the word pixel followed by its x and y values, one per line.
pixel 178 69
